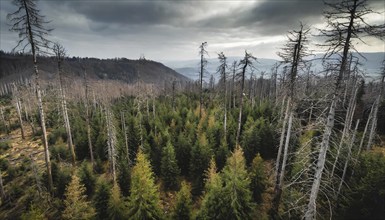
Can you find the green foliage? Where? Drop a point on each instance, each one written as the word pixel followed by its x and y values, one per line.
pixel 60 152
pixel 213 204
pixel 144 202
pixel 365 198
pixel 76 204
pixel 87 178
pixel 169 167
pixel 34 213
pixel 237 194
pixel 101 198
pixel 116 205
pixel 200 159
pixel 258 178
pixel 4 145
pixel 56 134
pixel 183 204
pixel 124 178
pixel 183 153
pixel 61 177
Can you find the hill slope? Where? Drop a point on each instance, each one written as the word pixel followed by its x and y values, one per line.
pixel 15 66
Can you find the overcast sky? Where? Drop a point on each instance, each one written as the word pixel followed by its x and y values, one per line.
pixel 174 29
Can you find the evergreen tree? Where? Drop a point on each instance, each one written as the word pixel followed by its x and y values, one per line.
pixel 258 178
pixel 116 205
pixel 76 204
pixel 200 159
pixel 237 196
pixel 169 167
pixel 87 178
pixel 144 201
pixel 102 196
pixel 183 207
pixel 34 213
pixel 212 204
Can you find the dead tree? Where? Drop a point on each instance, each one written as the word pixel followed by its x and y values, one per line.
pixel 203 64
pixel 29 23
pixel 375 113
pixel 223 74
pixel 2 191
pixel 88 118
pixel 293 53
pixel 60 53
pixel 232 89
pixel 111 142
pixel 18 109
pixel 246 62
pixel 345 23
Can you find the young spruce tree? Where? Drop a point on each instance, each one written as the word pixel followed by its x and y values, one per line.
pixel 144 201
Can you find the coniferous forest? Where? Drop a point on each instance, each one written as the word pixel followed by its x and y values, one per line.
pixel 291 143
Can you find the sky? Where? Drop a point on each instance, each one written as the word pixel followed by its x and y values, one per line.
pixel 173 29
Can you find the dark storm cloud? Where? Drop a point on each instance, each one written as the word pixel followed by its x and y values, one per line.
pixel 146 12
pixel 271 17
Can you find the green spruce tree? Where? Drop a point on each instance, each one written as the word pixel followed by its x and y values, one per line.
pixel 76 204
pixel 169 167
pixel 237 194
pixel 116 205
pixel 144 201
pixel 183 207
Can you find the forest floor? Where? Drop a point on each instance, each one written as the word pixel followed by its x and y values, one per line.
pixel 30 147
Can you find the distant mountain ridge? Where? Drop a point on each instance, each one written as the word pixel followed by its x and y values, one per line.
pixel 190 68
pixel 122 69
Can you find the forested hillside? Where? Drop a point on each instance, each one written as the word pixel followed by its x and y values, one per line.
pixel 292 143
pixel 16 67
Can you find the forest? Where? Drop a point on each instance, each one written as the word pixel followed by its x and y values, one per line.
pixel 290 144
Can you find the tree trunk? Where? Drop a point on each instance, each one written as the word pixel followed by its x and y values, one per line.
pixel 65 116
pixel 311 208
pixel 88 120
pixel 43 128
pixel 241 103
pixel 348 157
pixel 124 129
pixel 348 124
pixel 2 191
pixel 374 123
pixel 111 134
pixel 18 109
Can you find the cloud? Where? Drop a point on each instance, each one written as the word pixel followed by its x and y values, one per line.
pixel 171 29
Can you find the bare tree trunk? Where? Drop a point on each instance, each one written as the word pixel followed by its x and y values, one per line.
pixel 241 103
pixel 311 209
pixel 111 134
pixel 348 157
pixel 18 109
pixel 124 129
pixel 2 191
pixel 281 141
pixel 348 124
pixel 88 120
pixel 65 114
pixel 43 128
pixel 374 123
pixel 279 183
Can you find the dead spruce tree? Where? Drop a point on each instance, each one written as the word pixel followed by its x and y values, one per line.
pixel 292 54
pixel 16 95
pixel 246 62
pixel 222 68
pixel 60 54
pixel 30 25
pixel 203 64
pixel 345 25
pixel 88 117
